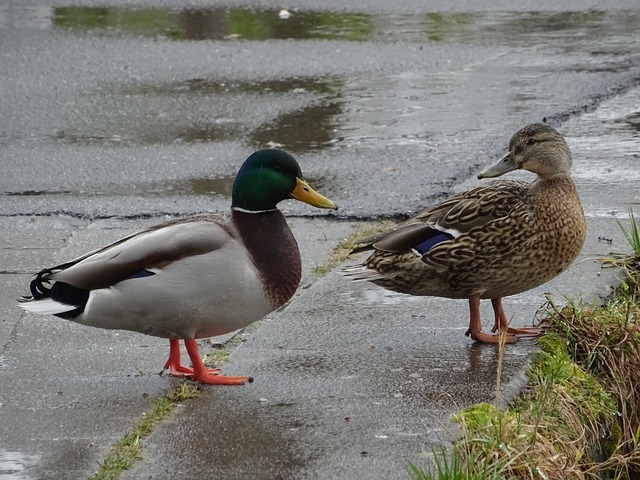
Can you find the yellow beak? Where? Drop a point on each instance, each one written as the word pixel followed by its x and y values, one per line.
pixel 306 194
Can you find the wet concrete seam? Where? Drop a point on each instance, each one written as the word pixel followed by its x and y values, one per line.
pixel 619 88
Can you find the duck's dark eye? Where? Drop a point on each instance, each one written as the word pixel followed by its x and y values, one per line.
pixel 531 141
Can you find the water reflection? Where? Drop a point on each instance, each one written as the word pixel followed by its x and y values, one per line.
pixel 440 26
pixel 207 110
pixel 189 186
pixel 253 440
pixel 310 128
pixel 211 186
pixel 214 23
pixel 511 28
pixel 542 22
pixel 14 464
pixel 368 296
pixel 633 120
pixel 129 131
pixel 329 85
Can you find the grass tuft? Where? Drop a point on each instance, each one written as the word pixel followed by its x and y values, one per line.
pixel 629 263
pixel 343 249
pixel 450 466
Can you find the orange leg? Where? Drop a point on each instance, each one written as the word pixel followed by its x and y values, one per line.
pixel 173 363
pixel 202 375
pixel 475 325
pixel 502 324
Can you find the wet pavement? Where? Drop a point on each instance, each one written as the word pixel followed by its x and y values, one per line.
pixel 114 117
pixel 353 381
pixel 433 93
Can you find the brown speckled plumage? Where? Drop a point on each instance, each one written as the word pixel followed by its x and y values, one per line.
pixel 507 236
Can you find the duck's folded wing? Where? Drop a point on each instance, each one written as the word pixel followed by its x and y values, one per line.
pixel 139 253
pixel 453 217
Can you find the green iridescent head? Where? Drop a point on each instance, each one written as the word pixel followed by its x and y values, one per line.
pixel 269 176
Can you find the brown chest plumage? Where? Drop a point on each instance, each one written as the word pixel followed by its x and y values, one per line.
pixel 273 250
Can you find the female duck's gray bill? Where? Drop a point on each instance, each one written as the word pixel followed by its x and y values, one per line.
pixel 505 165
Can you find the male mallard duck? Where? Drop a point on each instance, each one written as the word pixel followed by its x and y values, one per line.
pixel 492 241
pixel 194 277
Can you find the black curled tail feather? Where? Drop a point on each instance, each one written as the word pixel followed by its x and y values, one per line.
pixel 41 287
pixel 61 292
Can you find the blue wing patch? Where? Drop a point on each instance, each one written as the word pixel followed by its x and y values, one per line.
pixel 141 274
pixel 431 242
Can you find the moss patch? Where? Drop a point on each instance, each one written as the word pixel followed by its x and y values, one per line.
pixel 127 450
pixel 341 251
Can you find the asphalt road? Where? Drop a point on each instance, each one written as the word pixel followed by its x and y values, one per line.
pixel 113 117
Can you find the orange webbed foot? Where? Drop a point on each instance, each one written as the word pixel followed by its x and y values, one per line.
pixel 475 327
pixel 501 323
pixel 209 376
pixel 482 337
pixel 176 369
pixel 220 379
pixel 523 331
pixel 182 371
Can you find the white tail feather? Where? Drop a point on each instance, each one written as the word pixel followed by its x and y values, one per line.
pixel 47 306
pixel 360 273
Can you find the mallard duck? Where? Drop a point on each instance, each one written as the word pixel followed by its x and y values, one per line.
pixel 489 242
pixel 193 277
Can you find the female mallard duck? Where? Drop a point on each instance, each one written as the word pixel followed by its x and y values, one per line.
pixel 194 277
pixel 492 241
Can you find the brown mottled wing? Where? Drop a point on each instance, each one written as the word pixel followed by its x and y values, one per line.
pixel 460 214
pixel 151 248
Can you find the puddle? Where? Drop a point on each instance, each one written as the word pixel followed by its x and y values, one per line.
pixel 252 438
pixel 152 133
pixel 202 110
pixel 14 464
pixel 219 24
pixel 191 186
pixel 310 128
pixel 379 296
pixel 633 120
pixel 509 28
pixel 204 86
pixel 36 193
pixel 213 23
pixel 315 113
